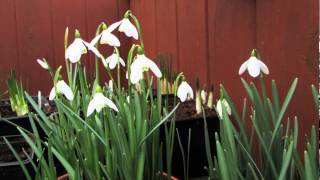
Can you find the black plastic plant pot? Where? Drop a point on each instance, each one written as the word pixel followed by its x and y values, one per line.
pixel 9 121
pixel 197 159
pixel 9 165
pixel 7 128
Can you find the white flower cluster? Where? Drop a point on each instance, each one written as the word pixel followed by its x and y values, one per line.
pixel 79 47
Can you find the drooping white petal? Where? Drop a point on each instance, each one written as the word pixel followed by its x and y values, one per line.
pixel 75 50
pixel 263 67
pixel 182 94
pixel 253 67
pixel 43 64
pixel 225 105
pixel 110 39
pixel 93 49
pixel 95 40
pixel 91 107
pixel 190 91
pixel 109 103
pixel 62 87
pixel 113 59
pixel 219 108
pixel 110 85
pixel 148 63
pixel 141 64
pixel 135 74
pixel 52 94
pixel 243 67
pixel 154 68
pixel 122 62
pixel 98 102
pixel 113 26
pixel 128 28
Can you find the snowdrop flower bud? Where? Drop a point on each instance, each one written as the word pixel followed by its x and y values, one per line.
pixel 254 65
pixel 43 63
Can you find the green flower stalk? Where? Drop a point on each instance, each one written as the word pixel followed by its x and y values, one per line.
pixel 16 93
pixel 198 97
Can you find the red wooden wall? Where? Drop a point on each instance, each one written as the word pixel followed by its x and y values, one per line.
pixel 32 29
pixel 209 39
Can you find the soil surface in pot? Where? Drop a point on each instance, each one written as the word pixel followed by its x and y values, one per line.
pixel 187 111
pixel 6 111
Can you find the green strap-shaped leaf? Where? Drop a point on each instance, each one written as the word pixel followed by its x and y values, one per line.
pixel 283 109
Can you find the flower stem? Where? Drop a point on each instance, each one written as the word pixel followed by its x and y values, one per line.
pixel 138 28
pixel 118 67
pixel 96 58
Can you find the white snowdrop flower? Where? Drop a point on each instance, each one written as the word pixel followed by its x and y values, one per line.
pixel 113 60
pixel 79 47
pixel 75 50
pixel 184 91
pixel 140 65
pixel 125 26
pixel 61 88
pixel 254 65
pixel 98 102
pixel 106 37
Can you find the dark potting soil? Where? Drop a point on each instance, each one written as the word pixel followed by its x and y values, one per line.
pixel 6 111
pixel 187 111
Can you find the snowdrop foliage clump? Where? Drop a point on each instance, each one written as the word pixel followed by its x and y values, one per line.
pixel 107 130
